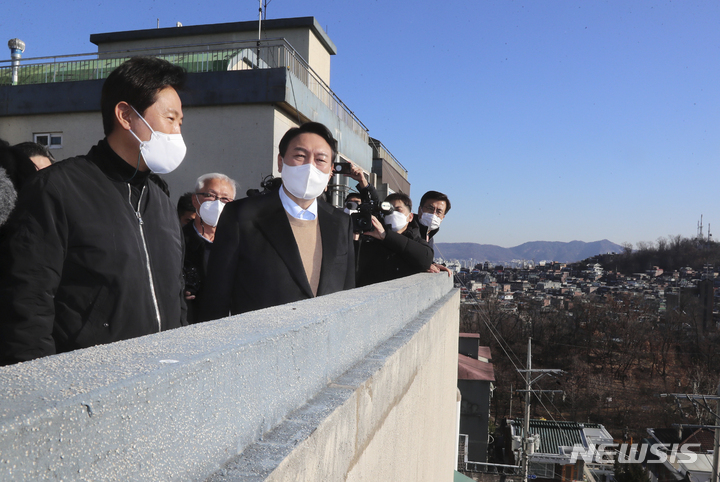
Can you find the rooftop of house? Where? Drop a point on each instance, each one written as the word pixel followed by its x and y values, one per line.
pixel 472 369
pixel 557 434
pixel 218 28
pixel 704 437
pixel 484 352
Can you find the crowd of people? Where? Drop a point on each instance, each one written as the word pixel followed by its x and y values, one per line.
pixel 92 250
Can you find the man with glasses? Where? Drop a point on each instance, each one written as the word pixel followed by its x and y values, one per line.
pixel 212 192
pixel 434 206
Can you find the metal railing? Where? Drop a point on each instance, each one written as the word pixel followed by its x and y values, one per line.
pixel 213 57
pixel 385 153
pixel 466 465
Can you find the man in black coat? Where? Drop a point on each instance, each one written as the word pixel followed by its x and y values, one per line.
pixel 286 245
pixel 434 206
pixel 393 250
pixel 93 252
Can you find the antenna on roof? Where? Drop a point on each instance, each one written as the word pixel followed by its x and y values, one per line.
pixel 700 229
pixel 260 11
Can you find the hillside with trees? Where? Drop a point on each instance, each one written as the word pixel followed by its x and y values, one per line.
pixel 618 358
pixel 671 253
pixel 618 351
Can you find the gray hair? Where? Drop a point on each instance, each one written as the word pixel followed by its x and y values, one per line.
pixel 200 183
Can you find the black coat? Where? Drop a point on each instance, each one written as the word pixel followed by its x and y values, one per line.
pixel 194 268
pixel 79 267
pixel 255 262
pixel 396 256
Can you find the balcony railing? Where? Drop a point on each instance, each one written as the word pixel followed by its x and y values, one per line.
pixel 215 57
pixel 385 153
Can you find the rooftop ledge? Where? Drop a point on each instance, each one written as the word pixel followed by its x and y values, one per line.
pixel 336 386
pixel 195 58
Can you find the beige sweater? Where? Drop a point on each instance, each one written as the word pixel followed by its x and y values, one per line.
pixel 307 236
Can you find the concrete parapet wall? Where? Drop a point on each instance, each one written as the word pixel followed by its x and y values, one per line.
pixel 178 405
pixel 390 417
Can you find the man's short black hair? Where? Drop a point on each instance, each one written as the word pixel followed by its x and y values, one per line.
pixel 185 204
pixel 31 149
pixel 308 128
pixel 402 197
pixel 437 196
pixel 137 82
pixel 18 166
pixel 352 195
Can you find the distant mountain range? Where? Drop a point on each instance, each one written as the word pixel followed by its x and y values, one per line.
pixel 534 250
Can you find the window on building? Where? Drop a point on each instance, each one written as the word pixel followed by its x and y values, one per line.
pixel 53 140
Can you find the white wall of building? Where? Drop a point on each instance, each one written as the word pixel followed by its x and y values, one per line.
pixel 80 131
pixel 234 140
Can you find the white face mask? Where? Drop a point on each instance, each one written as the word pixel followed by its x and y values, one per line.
pixel 430 220
pixel 396 220
pixel 305 181
pixel 350 211
pixel 163 153
pixel 210 212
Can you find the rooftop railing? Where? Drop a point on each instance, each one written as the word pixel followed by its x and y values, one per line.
pixel 213 57
pixel 385 153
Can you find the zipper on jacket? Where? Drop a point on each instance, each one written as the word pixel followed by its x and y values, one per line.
pixel 147 255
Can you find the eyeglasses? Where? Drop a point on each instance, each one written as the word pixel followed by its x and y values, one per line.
pixel 432 210
pixel 213 197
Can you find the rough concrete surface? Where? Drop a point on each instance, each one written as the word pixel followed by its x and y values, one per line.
pixel 179 404
pixel 390 417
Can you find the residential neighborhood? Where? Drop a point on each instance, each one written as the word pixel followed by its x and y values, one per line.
pixel 557 286
pixel 629 339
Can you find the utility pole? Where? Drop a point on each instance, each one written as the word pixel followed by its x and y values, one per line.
pixel 704 400
pixel 511 397
pixel 528 391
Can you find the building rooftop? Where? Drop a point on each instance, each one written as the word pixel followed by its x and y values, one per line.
pixel 472 369
pixel 556 434
pixel 704 437
pixel 218 28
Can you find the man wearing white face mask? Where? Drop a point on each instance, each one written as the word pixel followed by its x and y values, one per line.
pixel 287 245
pixel 212 192
pixel 393 250
pixel 434 206
pixel 95 252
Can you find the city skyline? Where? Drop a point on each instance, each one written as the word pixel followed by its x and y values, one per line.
pixel 542 122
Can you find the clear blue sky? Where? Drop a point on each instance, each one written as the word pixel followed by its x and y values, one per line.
pixel 542 120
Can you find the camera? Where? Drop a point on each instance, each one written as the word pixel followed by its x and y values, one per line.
pixel 342 168
pixel 268 184
pixel 362 219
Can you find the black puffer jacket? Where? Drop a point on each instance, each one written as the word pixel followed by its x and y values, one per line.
pixel 396 256
pixel 80 267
